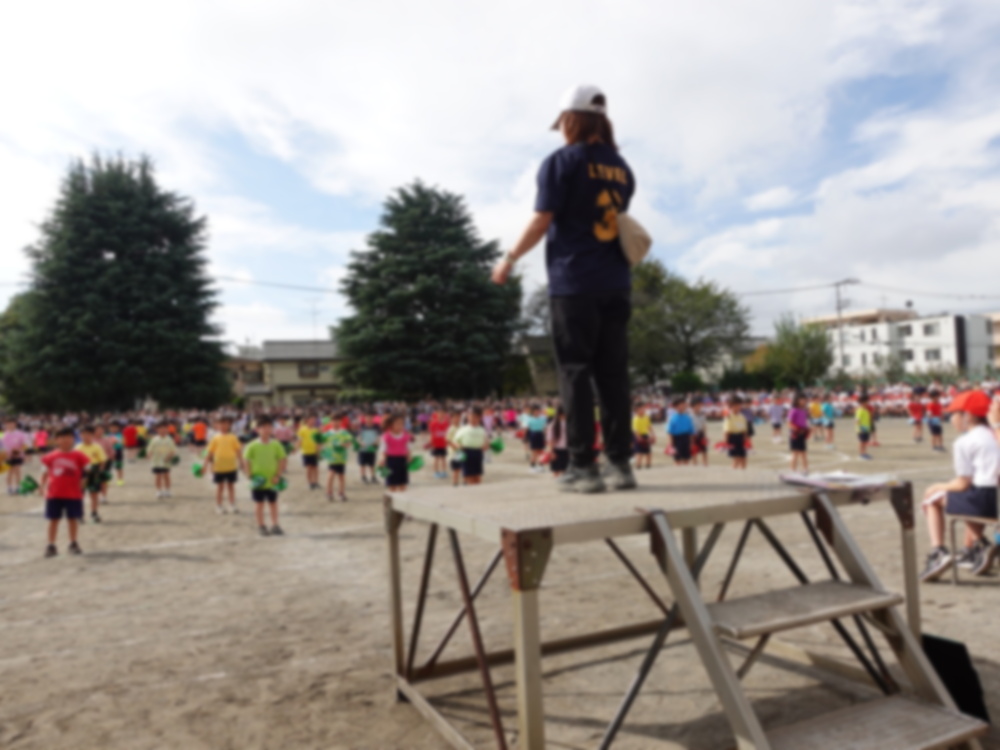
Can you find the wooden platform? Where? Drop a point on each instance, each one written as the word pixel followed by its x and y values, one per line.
pixel 796 607
pixel 888 724
pixel 690 498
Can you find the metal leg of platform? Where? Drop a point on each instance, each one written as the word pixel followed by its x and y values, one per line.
pixel 429 664
pixel 898 632
pixel 393 521
pixel 477 641
pixel 658 642
pixel 744 722
pixel 418 616
pixel 638 577
pixel 528 671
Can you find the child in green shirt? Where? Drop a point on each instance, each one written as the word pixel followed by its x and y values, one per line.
pixel 266 462
pixel 863 419
pixel 338 443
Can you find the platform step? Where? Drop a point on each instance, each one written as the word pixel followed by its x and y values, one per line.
pixel 796 607
pixel 894 723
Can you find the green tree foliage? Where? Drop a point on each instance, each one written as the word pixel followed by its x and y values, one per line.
pixel 119 302
pixel 427 320
pixel 800 355
pixel 678 326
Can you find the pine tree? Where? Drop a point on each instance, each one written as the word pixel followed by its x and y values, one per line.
pixel 428 321
pixel 119 302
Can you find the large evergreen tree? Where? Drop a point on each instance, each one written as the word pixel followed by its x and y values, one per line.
pixel 427 320
pixel 119 301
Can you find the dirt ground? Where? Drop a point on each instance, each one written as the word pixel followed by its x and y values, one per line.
pixel 179 628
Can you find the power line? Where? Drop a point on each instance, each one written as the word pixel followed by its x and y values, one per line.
pixel 761 292
pixel 277 285
pixel 940 295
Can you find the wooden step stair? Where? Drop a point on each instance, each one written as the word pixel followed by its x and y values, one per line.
pixel 796 607
pixel 894 723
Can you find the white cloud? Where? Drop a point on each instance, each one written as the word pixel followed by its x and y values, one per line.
pixel 769 200
pixel 717 101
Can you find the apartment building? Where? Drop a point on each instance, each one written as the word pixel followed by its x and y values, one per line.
pixel 863 342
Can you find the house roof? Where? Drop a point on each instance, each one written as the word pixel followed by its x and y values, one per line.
pixel 323 349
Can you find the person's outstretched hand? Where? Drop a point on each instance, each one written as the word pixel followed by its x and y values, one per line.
pixel 501 271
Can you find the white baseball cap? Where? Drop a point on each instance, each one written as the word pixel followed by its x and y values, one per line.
pixel 583 98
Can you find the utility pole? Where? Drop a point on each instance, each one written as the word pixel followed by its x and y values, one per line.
pixel 841 304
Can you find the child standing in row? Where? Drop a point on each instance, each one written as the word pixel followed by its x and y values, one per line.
pixel 558 446
pixel 642 433
pixel 455 456
pixel 368 439
pixel 472 439
pixel 89 447
pixel 266 462
pixel 396 453
pixel 934 425
pixel 798 425
pixel 310 451
pixel 339 441
pixel 735 428
pixel 15 445
pixel 161 452
pixel 863 420
pixel 224 459
pixel 62 484
pixel 680 427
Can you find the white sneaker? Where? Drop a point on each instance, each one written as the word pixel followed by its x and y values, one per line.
pixel 159 495
pixel 220 510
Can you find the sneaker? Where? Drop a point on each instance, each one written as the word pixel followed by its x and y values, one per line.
pixel 343 497
pixel 167 494
pixel 969 557
pixel 233 509
pixel 865 457
pixel 988 555
pixel 620 476
pixel 74 548
pixel 95 518
pixel 276 531
pixel 263 531
pixel 51 550
pixel 585 480
pixel 938 562
pixel 329 496
pixel 220 510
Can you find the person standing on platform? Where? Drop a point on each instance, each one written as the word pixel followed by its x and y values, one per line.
pixel 582 188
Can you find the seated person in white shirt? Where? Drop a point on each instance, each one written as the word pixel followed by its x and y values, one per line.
pixel 973 491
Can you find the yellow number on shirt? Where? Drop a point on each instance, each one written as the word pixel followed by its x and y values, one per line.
pixel 606 229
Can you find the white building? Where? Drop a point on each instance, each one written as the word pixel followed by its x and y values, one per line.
pixel 864 341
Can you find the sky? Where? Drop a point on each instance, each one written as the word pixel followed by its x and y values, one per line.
pixel 778 144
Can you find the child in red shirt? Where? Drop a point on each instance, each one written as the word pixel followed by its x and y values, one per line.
pixel 438 428
pixel 62 483
pixel 916 411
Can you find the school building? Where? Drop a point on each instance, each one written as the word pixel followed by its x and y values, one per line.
pixel 866 341
pixel 286 373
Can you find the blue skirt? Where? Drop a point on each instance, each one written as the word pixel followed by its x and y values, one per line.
pixel 399 471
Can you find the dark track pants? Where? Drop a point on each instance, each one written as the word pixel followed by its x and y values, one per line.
pixel 590 333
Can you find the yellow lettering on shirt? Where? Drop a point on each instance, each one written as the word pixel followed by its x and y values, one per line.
pixel 607 173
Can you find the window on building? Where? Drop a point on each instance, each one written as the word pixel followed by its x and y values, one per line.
pixel 932 355
pixel 906 330
pixel 846 360
pixel 907 355
pixel 864 360
pixel 862 335
pixel 253 377
pixel 308 369
pixel 989 327
pixel 932 329
pixel 877 359
pixel 874 334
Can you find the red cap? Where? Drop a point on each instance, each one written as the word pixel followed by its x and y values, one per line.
pixel 976 403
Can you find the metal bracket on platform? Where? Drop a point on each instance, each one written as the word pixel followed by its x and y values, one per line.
pixel 393 518
pixel 902 502
pixel 526 554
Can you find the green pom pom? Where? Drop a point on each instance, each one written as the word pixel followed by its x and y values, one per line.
pixel 416 463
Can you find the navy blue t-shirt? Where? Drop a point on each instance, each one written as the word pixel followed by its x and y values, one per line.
pixel 585 186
